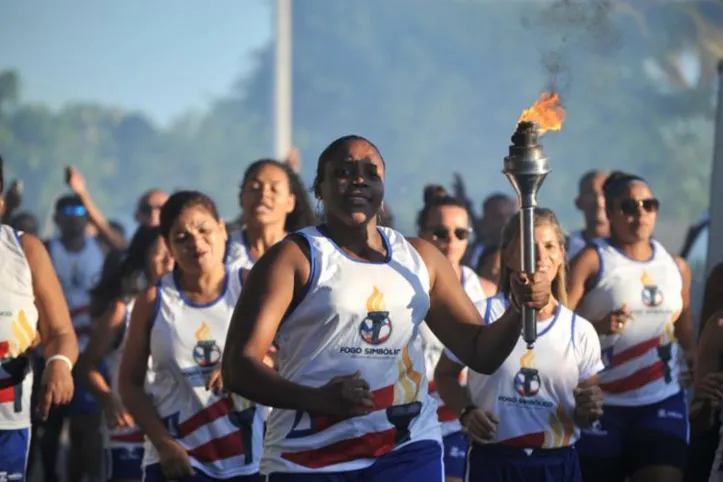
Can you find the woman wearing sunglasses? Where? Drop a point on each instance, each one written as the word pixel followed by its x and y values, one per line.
pixel 637 295
pixel 444 222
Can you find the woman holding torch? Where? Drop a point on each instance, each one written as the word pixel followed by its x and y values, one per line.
pixel 524 419
pixel 344 302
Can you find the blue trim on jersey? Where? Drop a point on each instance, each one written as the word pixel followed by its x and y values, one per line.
pixel 596 281
pixel 488 309
pixel 312 274
pixel 554 320
pixel 201 305
pixel 572 329
pixel 649 260
pixel 18 236
pixel 241 276
pixel 245 242
pixel 385 240
pixel 156 306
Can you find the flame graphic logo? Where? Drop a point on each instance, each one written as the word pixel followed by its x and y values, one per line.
pixel 547 113
pixel 375 302
pixel 23 333
pixel 406 390
pixel 651 294
pixel 376 327
pixel 203 333
pixel 562 427
pixel 528 359
pixel 206 352
pixel 527 381
pixel 646 280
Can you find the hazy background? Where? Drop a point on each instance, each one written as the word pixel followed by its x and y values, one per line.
pixel 176 93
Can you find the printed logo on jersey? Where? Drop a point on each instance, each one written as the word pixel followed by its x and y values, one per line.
pixel 206 352
pixel 376 328
pixel 651 294
pixel 527 380
pixel 374 331
pixel 527 384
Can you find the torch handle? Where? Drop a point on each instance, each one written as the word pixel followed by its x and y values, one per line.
pixel 527 229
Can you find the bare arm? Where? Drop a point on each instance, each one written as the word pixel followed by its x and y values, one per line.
pixel 134 365
pixel 446 378
pixel 105 332
pixel 77 183
pixel 684 325
pixel 454 319
pixel 584 268
pixel 709 363
pixel 267 295
pixel 56 330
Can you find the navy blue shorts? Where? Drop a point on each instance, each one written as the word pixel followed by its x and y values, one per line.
pixel 455 452
pixel 153 473
pixel 416 462
pixel 627 439
pixel 14 454
pixel 124 463
pixel 497 463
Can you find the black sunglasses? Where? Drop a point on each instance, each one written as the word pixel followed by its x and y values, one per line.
pixel 630 207
pixel 149 208
pixel 444 234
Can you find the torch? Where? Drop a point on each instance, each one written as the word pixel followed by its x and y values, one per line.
pixel 526 168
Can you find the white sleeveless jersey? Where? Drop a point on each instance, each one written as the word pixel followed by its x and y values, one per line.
pixel 222 434
pixel 78 274
pixel 433 349
pixel 116 438
pixel 18 328
pixel 575 243
pixel 355 316
pixel 641 363
pixel 238 253
pixel 531 393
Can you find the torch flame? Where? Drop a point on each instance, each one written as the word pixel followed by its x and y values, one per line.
pixel 546 113
pixel 203 332
pixel 528 359
pixel 375 302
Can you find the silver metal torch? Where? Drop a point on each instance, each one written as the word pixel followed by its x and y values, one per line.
pixel 526 168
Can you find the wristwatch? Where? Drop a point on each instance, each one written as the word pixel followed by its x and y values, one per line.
pixel 466 411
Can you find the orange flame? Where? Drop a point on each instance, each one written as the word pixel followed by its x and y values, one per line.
pixel 203 332
pixel 546 113
pixel 528 359
pixel 375 302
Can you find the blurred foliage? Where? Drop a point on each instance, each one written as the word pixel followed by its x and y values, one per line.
pixel 437 86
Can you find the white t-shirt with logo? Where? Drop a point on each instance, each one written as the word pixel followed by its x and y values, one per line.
pixel 531 393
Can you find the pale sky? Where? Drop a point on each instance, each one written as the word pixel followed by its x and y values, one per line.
pixel 163 57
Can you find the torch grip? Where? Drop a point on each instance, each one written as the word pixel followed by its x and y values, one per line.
pixel 527 229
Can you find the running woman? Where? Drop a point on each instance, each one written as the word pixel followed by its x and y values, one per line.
pixel 444 222
pixel 523 420
pixel 274 201
pixel 351 387
pixel 637 296
pixel 31 303
pixel 266 200
pixel 196 431
pixel 708 394
pixel 145 262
